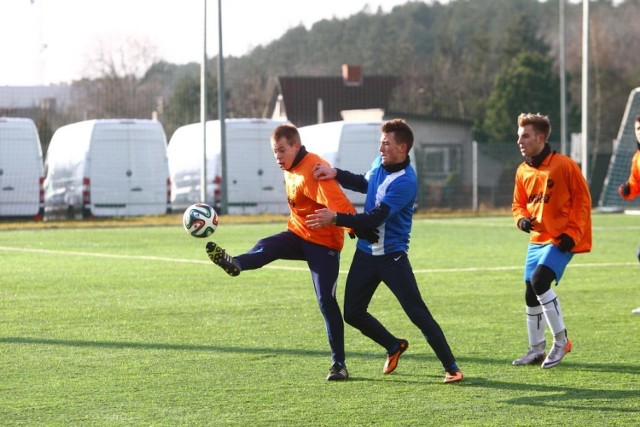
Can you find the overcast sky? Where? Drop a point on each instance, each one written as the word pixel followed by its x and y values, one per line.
pixel 50 41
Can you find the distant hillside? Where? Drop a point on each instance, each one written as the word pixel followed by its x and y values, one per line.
pixel 452 54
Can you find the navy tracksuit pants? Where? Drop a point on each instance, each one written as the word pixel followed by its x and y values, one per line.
pixel 324 264
pixel 365 274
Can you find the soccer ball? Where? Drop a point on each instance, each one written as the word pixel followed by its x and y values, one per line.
pixel 200 220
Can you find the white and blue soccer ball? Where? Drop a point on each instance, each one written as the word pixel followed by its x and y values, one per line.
pixel 200 220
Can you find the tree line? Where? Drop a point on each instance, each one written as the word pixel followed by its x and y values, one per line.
pixel 478 60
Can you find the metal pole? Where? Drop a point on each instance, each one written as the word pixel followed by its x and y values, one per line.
pixel 221 114
pixel 563 84
pixel 474 173
pixel 585 85
pixel 203 108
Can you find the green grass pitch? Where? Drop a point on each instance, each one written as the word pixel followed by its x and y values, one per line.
pixel 135 326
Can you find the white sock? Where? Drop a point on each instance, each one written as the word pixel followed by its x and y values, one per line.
pixel 553 314
pixel 535 327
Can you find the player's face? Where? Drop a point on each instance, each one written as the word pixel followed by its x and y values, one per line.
pixel 637 127
pixel 530 142
pixel 392 153
pixel 285 153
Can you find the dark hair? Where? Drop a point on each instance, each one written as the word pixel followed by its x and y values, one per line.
pixel 401 130
pixel 638 118
pixel 287 130
pixel 540 123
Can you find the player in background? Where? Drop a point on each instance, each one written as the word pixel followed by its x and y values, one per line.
pixel 320 248
pixel 631 189
pixel 551 201
pixel 383 244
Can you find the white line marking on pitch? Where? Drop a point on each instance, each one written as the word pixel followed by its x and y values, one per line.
pixel 280 267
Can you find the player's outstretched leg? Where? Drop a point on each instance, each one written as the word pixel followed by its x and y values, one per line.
pixel 222 259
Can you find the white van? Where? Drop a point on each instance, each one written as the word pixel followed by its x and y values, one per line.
pixel 21 171
pixel 107 168
pixel 255 183
pixel 347 145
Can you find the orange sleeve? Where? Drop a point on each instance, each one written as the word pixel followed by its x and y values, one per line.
pixel 634 177
pixel 519 204
pixel 579 225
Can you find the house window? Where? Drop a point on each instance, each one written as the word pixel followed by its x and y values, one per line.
pixel 442 160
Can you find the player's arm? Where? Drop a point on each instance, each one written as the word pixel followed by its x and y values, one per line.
pixel 523 219
pixel 396 197
pixel 580 208
pixel 352 181
pixel 363 225
pixel 365 220
pixel 631 188
pixel 346 179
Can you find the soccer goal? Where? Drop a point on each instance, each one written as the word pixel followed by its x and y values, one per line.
pixel 619 166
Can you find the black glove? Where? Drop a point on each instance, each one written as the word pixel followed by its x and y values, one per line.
pixel 526 224
pixel 624 189
pixel 566 243
pixel 369 234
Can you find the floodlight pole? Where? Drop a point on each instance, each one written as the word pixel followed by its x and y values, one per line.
pixel 563 84
pixel 585 85
pixel 203 108
pixel 224 201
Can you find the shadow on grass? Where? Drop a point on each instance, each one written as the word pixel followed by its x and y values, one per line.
pixel 574 398
pixel 421 355
pixel 539 395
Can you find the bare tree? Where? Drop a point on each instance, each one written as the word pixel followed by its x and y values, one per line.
pixel 113 85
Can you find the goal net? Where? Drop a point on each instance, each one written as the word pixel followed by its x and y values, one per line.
pixel 624 148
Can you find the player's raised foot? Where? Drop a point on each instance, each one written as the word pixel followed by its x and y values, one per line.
pixel 453 376
pixel 531 357
pixel 392 359
pixel 556 354
pixel 222 259
pixel 636 310
pixel 338 372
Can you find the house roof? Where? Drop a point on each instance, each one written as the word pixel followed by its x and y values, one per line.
pixel 301 96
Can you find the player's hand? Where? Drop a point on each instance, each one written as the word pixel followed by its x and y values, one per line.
pixel 322 172
pixel 566 243
pixel 624 190
pixel 526 224
pixel 321 218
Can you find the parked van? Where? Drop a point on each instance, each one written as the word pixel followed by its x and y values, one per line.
pixel 347 145
pixel 107 168
pixel 255 183
pixel 21 170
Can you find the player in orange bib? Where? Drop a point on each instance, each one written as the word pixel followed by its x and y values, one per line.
pixel 551 201
pixel 631 189
pixel 319 247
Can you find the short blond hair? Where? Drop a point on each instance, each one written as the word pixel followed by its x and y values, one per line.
pixel 539 122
